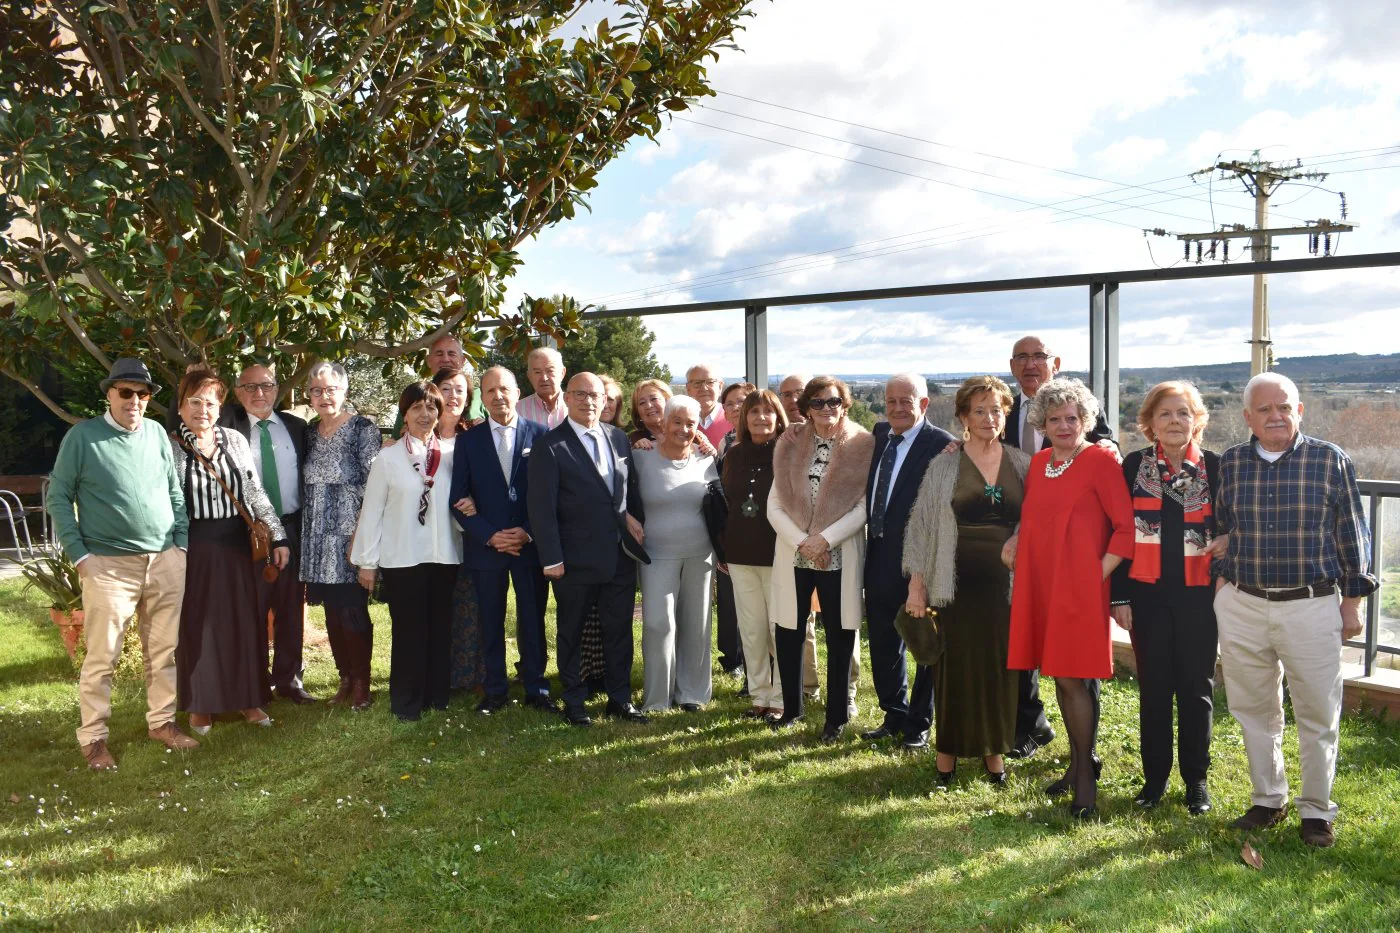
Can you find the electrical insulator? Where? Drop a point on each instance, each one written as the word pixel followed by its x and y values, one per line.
pixel 1213 244
pixel 1344 205
pixel 1227 250
pixel 1186 251
pixel 1327 245
pixel 1312 244
pixel 1198 252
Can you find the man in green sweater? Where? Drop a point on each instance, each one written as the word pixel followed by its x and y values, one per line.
pixel 119 511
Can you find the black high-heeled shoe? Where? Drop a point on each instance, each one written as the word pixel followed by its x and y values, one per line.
pixel 995 778
pixel 1062 786
pixel 945 778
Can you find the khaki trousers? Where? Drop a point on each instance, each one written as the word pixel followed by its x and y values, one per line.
pixel 150 586
pixel 1261 642
pixel 753 607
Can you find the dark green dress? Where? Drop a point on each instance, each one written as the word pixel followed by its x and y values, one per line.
pixel 974 693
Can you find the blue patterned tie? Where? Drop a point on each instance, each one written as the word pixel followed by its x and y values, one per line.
pixel 882 486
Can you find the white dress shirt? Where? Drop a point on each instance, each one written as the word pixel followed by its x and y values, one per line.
pixel 605 451
pixel 285 453
pixel 901 453
pixel 504 433
pixel 388 534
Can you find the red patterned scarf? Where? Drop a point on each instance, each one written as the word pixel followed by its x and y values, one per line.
pixel 424 459
pixel 1191 489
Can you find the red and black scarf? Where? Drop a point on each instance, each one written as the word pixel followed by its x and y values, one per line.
pixel 425 463
pixel 1191 488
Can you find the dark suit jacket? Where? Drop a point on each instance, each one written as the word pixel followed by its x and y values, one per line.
pixel 884 573
pixel 1012 434
pixel 235 417
pixel 476 472
pixel 576 519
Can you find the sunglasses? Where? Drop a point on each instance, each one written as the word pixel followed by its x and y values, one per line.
pixel 126 393
pixel 820 403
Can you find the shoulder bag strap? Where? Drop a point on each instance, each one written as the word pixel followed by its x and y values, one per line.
pixel 237 503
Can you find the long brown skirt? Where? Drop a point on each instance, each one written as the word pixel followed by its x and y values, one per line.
pixel 221 659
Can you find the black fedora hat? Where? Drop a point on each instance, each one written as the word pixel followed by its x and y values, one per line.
pixel 129 369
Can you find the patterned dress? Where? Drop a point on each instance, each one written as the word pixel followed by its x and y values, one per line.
pixel 333 486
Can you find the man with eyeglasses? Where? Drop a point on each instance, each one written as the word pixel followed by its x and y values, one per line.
pixel 118 509
pixel 704 386
pixel 586 517
pixel 276 440
pixel 1033 365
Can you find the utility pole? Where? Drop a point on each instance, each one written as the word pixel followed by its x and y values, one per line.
pixel 1261 179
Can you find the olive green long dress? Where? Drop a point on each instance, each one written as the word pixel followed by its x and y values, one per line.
pixel 974 693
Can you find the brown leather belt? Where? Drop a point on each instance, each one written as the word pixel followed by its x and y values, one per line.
pixel 1283 596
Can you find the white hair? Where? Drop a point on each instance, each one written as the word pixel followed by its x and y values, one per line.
pixel 913 380
pixel 705 366
pixel 1275 379
pixel 334 370
pixel 1057 393
pixel 504 373
pixel 548 353
pixel 680 403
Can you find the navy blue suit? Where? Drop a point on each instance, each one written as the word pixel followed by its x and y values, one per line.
pixel 886 587
pixel 501 503
pixel 577 520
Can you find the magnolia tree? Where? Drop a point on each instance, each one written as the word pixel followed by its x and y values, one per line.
pixel 298 179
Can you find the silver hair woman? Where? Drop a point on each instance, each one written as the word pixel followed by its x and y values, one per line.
pixel 1076 526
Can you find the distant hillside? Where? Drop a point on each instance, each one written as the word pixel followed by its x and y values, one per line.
pixel 1338 367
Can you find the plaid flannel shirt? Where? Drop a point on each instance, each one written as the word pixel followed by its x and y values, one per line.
pixel 1295 522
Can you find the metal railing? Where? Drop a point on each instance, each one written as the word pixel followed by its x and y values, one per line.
pixel 1377 491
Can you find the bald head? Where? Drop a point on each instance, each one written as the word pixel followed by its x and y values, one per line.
pixel 789 391
pixel 1033 364
pixel 585 399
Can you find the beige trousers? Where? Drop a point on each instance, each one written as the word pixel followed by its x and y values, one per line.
pixel 152 587
pixel 1261 642
pixel 753 607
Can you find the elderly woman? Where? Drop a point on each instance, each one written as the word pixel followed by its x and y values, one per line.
pixel 968 507
pixel 732 400
pixel 406 533
pixel 817 508
pixel 221 657
pixel 649 400
pixel 749 543
pixel 1076 526
pixel 340 449
pixel 468 666
pixel 1164 595
pixel 672 477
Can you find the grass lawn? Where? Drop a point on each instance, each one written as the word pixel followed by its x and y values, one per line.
pixel 335 820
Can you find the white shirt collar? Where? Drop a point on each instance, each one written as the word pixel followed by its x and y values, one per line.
pixel 119 426
pixel 508 426
pixel 580 430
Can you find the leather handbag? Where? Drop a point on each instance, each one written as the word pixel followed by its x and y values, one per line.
pixel 259 532
pixel 923 636
pixel 716 511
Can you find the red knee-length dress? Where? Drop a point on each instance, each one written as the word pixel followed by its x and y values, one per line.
pixel 1059 600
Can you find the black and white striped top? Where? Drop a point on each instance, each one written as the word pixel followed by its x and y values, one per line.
pixel 204 497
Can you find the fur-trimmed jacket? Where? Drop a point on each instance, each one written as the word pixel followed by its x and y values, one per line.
pixel 837 514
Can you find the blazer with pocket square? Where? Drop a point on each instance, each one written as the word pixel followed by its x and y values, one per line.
pixel 476 472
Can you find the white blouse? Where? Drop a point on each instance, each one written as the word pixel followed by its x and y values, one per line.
pixel 388 533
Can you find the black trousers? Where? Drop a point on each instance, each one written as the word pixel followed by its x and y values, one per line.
pixel 616 599
pixel 911 713
pixel 731 650
pixel 839 645
pixel 285 601
pixel 1174 642
pixel 1030 712
pixel 420 656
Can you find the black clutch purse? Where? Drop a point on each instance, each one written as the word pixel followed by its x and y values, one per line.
pixel 716 510
pixel 923 636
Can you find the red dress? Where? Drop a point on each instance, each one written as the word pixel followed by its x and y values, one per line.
pixel 1059 601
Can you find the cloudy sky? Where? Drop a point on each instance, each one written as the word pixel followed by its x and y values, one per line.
pixel 918 141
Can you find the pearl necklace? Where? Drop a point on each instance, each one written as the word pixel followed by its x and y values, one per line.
pixel 1052 470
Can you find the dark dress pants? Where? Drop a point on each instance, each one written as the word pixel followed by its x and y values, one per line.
pixel 731 650
pixel 840 643
pixel 531 591
pixel 420 657
pixel 1030 712
pixel 906 712
pixel 1174 642
pixel 616 599
pixel 285 599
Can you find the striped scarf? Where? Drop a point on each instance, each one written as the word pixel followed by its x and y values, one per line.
pixel 1191 490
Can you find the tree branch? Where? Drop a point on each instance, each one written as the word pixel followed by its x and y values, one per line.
pixel 41 395
pixel 59 304
pixel 223 139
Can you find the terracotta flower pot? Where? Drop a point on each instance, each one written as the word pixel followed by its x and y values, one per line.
pixel 70 626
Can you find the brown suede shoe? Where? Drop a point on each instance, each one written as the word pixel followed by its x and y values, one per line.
pixel 1317 832
pixel 360 696
pixel 98 758
pixel 342 696
pixel 171 737
pixel 1257 817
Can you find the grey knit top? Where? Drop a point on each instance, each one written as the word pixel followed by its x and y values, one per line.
pixel 672 494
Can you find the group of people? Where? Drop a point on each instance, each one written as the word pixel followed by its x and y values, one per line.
pixel 1005 547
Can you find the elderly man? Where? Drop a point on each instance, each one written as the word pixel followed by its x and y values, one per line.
pixel 905 445
pixel 1294 571
pixel 276 440
pixel 491 466
pixel 586 516
pixel 705 387
pixel 789 391
pixel 119 512
pixel 1033 365
pixel 544 367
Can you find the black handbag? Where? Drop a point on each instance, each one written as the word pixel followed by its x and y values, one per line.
pixel 923 636
pixel 716 510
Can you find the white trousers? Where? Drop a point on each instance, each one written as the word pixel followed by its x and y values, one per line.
pixel 1261 642
pixel 753 606
pixel 676 631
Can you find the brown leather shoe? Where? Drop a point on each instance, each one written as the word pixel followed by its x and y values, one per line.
pixel 342 696
pixel 1257 817
pixel 360 697
pixel 171 737
pixel 1318 832
pixel 98 758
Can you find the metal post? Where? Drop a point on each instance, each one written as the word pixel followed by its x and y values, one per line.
pixel 756 344
pixel 1373 602
pixel 1260 346
pixel 1097 333
pixel 1109 396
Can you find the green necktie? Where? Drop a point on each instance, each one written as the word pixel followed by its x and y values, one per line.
pixel 271 485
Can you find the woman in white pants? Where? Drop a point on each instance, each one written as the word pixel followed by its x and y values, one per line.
pixel 672 477
pixel 748 544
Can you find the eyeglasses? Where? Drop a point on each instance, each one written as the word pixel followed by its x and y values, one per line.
pixel 586 396
pixel 200 404
pixel 258 388
pixel 326 391
pixel 1024 358
pixel 126 393
pixel 817 404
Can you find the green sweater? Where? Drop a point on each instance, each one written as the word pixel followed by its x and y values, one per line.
pixel 114 492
